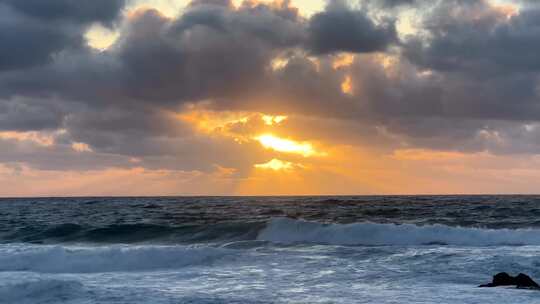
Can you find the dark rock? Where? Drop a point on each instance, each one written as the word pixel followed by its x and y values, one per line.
pixel 524 281
pixel 504 279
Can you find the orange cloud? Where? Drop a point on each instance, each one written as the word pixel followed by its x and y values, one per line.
pixel 426 155
pixel 276 165
pixel 40 138
pixel 343 60
pixel 346 86
pixel 81 147
pixel 25 181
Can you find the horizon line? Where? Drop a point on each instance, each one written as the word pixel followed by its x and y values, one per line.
pixel 263 196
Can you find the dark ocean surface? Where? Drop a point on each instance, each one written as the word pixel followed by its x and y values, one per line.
pixel 386 249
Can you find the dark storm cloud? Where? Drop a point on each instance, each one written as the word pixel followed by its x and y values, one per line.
pixel 444 111
pixel 211 51
pixel 58 157
pixel 393 3
pixel 475 37
pixel 204 54
pixel 27 42
pixel 105 11
pixel 341 29
pixel 115 129
pixel 470 84
pixel 23 114
pixel 121 97
pixel 33 31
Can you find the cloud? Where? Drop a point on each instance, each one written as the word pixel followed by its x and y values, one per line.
pixel 477 37
pixel 35 31
pixel 394 3
pixel 26 114
pixel 105 11
pixel 341 29
pixel 466 81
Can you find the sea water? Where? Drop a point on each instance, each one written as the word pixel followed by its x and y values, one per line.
pixel 267 250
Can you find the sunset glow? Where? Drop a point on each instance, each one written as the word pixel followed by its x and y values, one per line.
pixel 346 86
pixel 276 165
pixel 81 147
pixel 40 138
pixel 287 151
pixel 270 141
pixel 271 120
pixel 235 95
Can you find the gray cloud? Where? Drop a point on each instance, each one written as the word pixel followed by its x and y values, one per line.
pixel 23 114
pixel 31 42
pixel 341 29
pixel 105 11
pixel 468 82
pixel 35 31
pixel 394 3
pixel 475 38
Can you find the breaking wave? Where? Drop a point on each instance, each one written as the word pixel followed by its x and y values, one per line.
pixel 289 231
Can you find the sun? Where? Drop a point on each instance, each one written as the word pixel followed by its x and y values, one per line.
pixel 275 143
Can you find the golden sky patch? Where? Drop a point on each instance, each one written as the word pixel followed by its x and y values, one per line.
pixel 40 138
pixel 305 7
pixel 273 120
pixel 346 86
pixel 426 155
pixel 81 147
pixel 214 122
pixel 100 37
pixel 276 165
pixel 343 60
pixel 278 144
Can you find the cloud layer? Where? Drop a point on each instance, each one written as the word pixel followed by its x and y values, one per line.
pixel 465 80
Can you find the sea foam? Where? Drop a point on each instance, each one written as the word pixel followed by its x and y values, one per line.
pixel 60 259
pixel 289 231
pixel 40 291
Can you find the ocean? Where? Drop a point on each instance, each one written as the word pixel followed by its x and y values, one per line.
pixel 384 249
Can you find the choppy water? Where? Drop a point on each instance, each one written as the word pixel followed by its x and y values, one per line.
pixel 267 250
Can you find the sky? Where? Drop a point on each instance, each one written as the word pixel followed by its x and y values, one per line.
pixel 300 97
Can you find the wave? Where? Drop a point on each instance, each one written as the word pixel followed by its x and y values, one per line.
pixel 59 259
pixel 289 231
pixel 136 233
pixel 238 235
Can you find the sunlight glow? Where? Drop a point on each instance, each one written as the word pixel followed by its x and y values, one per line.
pixel 343 60
pixel 100 37
pixel 506 8
pixel 276 165
pixel 81 147
pixel 40 138
pixel 215 122
pixel 169 8
pixel 426 155
pixel 270 141
pixel 305 7
pixel 279 63
pixel 346 86
pixel 270 120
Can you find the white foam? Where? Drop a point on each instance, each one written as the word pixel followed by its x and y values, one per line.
pixel 60 259
pixel 40 291
pixel 289 231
